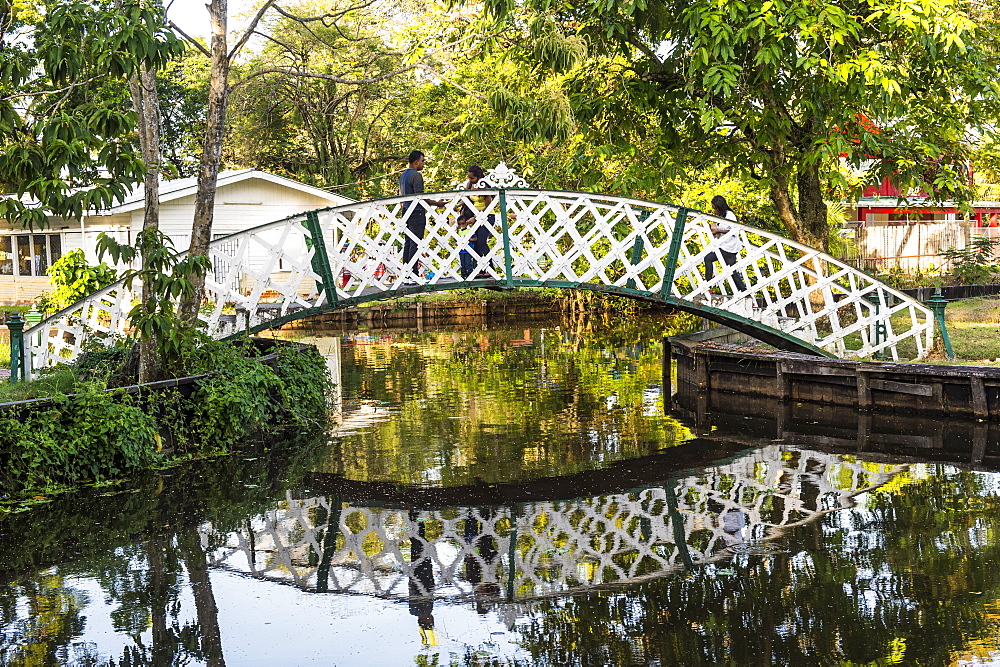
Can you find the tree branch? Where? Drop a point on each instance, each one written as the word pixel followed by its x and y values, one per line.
pixel 324 17
pixel 450 82
pixel 327 77
pixel 188 38
pixel 67 89
pixel 250 29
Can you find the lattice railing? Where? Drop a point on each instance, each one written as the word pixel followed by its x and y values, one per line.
pixel 341 256
pixel 546 548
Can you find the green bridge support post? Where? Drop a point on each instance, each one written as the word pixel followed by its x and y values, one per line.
pixel 680 220
pixel 508 262
pixel 329 546
pixel 320 258
pixel 677 523
pixel 937 304
pixel 16 326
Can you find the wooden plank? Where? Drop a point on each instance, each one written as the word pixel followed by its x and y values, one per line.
pixel 903 387
pixel 783 383
pixel 818 368
pixel 980 407
pixel 819 441
pixel 919 441
pixel 864 392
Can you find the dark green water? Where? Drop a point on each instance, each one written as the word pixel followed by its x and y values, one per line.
pixel 519 496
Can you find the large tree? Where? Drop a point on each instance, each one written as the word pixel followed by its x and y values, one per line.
pixel 67 127
pixel 784 90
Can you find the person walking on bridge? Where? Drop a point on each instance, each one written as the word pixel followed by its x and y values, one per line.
pixel 411 182
pixel 484 232
pixel 729 245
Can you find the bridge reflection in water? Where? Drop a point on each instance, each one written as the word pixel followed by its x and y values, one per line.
pixel 531 550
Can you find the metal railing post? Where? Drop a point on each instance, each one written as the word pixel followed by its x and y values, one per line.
pixel 937 304
pixel 670 268
pixel 320 258
pixel 637 247
pixel 16 326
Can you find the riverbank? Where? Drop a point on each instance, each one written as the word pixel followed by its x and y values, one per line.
pixel 94 430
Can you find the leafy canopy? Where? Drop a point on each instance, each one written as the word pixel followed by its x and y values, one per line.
pixel 66 126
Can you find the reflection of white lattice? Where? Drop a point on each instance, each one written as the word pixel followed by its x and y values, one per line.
pixel 566 239
pixel 555 547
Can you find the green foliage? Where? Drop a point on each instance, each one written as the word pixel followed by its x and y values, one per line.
pixel 976 263
pixel 166 276
pixel 66 122
pixel 74 278
pixel 90 434
pixel 779 91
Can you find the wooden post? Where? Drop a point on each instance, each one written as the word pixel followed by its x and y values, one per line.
pixel 979 433
pixel 783 382
pixel 864 390
pixel 980 407
pixel 668 371
pixel 702 379
pixel 864 430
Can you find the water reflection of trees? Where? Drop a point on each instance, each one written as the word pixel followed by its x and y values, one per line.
pixel 906 574
pixel 909 577
pixel 142 546
pixel 483 404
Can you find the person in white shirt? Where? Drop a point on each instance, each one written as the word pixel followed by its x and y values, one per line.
pixel 730 245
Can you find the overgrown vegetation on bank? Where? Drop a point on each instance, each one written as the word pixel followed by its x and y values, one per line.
pixel 87 433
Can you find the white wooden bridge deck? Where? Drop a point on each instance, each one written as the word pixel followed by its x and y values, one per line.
pixel 796 297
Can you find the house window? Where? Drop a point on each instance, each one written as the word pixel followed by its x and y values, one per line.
pixel 28 254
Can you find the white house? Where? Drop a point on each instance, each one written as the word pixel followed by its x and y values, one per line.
pixel 245 198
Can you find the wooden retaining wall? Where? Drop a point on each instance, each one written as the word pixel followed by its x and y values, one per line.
pixel 969 391
pixel 419 313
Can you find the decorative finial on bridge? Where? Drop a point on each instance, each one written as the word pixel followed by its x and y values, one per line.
pixel 500 176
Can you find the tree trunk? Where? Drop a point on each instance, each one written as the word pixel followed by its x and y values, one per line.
pixel 206 609
pixel 812 208
pixel 211 156
pixel 806 223
pixel 147 109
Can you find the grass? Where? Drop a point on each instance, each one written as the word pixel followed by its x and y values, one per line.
pixel 974 331
pixel 59 381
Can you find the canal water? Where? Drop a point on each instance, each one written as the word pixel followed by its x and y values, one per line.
pixel 520 495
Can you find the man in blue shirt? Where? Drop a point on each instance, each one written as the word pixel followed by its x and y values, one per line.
pixel 411 182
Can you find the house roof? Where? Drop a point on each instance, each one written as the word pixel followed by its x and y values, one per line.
pixel 918 203
pixel 183 187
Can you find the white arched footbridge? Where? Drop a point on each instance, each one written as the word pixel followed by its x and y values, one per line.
pixel 795 297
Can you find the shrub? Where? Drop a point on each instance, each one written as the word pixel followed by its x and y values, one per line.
pixel 92 434
pixel 74 278
pixel 975 263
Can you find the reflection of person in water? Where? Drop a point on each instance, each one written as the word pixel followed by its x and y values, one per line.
pixel 422 584
pixel 483 558
pixel 733 523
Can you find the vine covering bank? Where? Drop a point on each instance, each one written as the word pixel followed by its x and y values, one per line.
pixel 94 434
